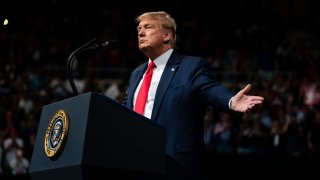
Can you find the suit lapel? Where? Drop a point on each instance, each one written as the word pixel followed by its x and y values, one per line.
pixel 134 84
pixel 168 73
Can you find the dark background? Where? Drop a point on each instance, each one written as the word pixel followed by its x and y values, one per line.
pixel 272 44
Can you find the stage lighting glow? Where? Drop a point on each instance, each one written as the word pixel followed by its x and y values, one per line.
pixel 5 22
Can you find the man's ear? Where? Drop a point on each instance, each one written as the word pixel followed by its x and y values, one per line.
pixel 167 38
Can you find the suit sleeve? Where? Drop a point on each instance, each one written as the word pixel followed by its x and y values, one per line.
pixel 209 89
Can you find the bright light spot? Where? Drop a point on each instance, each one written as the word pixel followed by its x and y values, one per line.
pixel 5 22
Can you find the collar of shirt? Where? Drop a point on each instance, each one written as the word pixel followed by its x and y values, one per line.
pixel 162 60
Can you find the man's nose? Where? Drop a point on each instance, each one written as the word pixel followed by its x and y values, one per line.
pixel 141 33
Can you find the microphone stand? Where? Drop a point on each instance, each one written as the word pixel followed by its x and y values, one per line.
pixel 70 64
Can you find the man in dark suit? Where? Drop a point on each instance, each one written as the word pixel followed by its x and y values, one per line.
pixel 180 89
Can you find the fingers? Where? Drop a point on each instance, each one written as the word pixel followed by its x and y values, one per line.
pixel 245 103
pixel 246 89
pixel 250 103
pixel 247 108
pixel 256 98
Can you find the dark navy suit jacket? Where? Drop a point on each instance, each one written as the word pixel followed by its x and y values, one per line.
pixel 185 89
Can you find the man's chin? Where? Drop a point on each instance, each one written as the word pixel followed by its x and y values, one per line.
pixel 144 48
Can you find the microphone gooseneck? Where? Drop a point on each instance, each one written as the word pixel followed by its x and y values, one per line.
pixel 91 45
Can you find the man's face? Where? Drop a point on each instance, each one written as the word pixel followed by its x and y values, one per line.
pixel 150 34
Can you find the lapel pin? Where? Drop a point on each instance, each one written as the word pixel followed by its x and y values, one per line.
pixel 172 69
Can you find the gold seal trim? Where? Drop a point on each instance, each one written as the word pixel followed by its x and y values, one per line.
pixel 56 134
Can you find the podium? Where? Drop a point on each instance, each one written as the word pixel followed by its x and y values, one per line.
pixel 91 136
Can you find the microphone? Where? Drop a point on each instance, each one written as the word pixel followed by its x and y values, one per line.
pixel 91 45
pixel 94 45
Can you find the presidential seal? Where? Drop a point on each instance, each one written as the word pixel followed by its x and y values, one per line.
pixel 56 134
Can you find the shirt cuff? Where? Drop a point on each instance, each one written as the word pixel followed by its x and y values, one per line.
pixel 230 101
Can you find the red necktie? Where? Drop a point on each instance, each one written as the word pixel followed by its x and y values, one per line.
pixel 144 89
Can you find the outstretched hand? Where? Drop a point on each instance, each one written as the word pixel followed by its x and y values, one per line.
pixel 242 102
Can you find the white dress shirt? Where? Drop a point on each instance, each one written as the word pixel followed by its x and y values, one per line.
pixel 160 62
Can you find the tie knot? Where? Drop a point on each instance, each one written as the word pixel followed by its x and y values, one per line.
pixel 151 65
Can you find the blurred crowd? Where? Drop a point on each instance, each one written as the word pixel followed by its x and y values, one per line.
pixel 278 55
